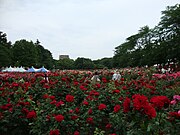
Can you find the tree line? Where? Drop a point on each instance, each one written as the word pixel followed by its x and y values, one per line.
pixel 28 53
pixel 158 45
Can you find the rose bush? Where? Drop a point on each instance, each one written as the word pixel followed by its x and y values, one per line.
pixel 140 103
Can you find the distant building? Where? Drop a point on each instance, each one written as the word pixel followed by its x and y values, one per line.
pixel 63 57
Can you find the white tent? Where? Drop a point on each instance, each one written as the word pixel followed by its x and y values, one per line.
pixel 21 69
pixel 10 69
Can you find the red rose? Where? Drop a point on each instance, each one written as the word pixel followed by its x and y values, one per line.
pixel 174 114
pixel 90 111
pixel 85 102
pixel 150 111
pixel 76 83
pixel 124 88
pixel 76 133
pixel 64 79
pixel 45 96
pixel 77 110
pixel 82 87
pixel 139 101
pixel 117 108
pixel 25 111
pixel 69 98
pixel 126 105
pixel 74 117
pixel 59 118
pixel 116 91
pixel 122 79
pixel 98 85
pixel 89 120
pixel 14 84
pixel 1 89
pixel 104 80
pixel 31 114
pixel 54 132
pixel 108 125
pixel 59 103
pixel 52 97
pixel 120 98
pixel 53 102
pixel 46 86
pixel 102 106
pixel 159 101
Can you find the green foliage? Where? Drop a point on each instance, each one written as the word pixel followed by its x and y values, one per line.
pixel 84 63
pixel 152 46
pixel 103 63
pixel 44 56
pixel 25 53
pixel 5 56
pixel 5 51
pixel 65 64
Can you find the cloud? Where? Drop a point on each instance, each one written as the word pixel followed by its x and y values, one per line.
pixel 90 29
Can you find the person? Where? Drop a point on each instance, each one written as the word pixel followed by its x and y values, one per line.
pixel 95 78
pixel 116 76
pixel 46 77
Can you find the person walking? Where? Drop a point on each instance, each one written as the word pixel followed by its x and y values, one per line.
pixel 116 76
pixel 95 78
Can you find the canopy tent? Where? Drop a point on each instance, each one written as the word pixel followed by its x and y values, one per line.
pixel 15 69
pixel 10 69
pixel 42 70
pixel 32 69
pixel 21 69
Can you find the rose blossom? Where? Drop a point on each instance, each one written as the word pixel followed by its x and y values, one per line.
pixel 54 132
pixel 69 98
pixel 59 118
pixel 102 106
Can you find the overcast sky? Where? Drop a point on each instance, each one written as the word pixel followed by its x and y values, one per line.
pixel 79 28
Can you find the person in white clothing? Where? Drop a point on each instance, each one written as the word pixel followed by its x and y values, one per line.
pixel 116 76
pixel 95 78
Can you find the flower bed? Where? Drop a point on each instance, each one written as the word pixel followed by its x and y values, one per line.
pixel 69 104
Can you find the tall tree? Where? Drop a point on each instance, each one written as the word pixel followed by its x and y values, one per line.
pixel 25 53
pixel 5 50
pixel 65 64
pixel 152 46
pixel 169 26
pixel 84 63
pixel 103 63
pixel 44 56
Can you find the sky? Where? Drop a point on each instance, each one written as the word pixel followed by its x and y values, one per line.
pixel 79 28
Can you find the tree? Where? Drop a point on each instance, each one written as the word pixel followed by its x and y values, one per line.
pixel 5 51
pixel 25 53
pixel 152 46
pixel 84 63
pixel 65 64
pixel 103 63
pixel 44 56
pixel 169 27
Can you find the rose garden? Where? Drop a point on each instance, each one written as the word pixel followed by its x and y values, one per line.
pixel 142 102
